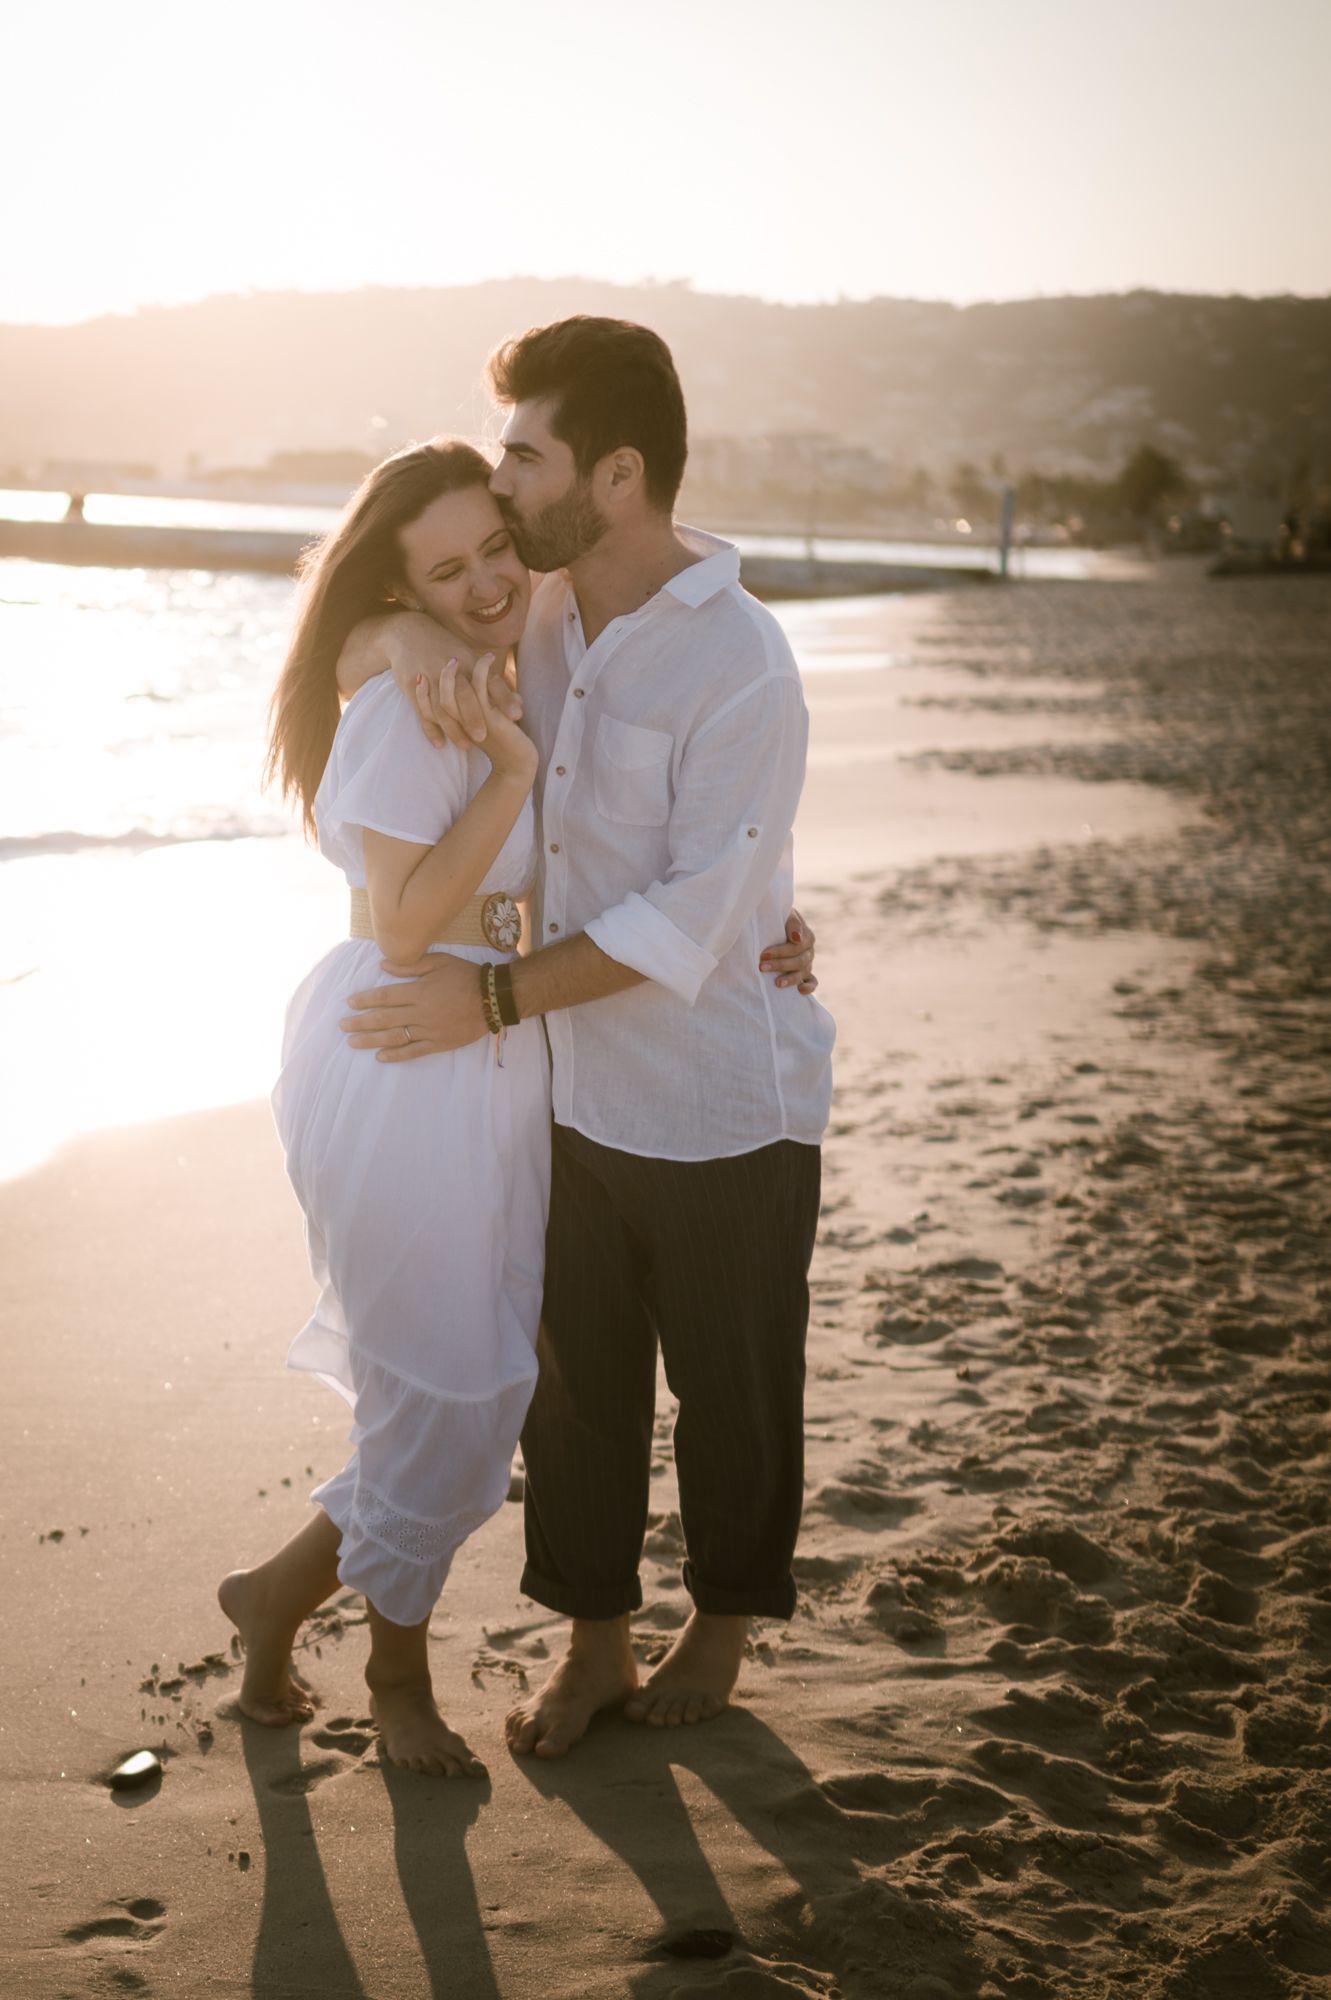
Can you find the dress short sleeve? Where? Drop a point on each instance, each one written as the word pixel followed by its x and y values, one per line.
pixel 383 773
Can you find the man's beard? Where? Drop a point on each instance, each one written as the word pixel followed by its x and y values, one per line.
pixel 561 532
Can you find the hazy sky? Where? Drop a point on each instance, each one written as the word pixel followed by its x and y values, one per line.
pixel 152 151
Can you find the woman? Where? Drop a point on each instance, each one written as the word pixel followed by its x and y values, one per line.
pixel 424 1194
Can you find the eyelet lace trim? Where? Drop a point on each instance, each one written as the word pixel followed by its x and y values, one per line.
pixel 407 1535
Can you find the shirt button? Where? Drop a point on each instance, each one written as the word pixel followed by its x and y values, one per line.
pixel 578 693
pixel 559 770
pixel 572 617
pixel 753 833
pixel 554 927
pixel 554 847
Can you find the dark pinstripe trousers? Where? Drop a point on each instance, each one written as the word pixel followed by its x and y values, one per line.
pixel 711 1259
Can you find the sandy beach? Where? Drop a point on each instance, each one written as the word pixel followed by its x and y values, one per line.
pixel 1052 1717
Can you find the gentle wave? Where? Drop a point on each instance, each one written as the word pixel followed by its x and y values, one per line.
pixel 20 847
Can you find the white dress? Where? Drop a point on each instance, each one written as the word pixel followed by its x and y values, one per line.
pixel 425 1187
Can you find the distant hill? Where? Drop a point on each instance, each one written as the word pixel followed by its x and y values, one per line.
pixel 1231 386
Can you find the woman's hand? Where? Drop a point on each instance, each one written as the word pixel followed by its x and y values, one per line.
pixel 442 683
pixel 792 959
pixel 512 754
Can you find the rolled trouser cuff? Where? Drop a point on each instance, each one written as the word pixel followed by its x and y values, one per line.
pixel 762 1600
pixel 587 1600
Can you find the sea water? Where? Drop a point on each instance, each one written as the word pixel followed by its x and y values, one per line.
pixel 157 904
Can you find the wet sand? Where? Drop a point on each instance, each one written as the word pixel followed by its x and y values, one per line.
pixel 1052 1716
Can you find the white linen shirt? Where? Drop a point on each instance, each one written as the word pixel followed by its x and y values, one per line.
pixel 672 758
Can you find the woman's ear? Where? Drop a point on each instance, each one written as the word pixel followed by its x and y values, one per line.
pixel 402 598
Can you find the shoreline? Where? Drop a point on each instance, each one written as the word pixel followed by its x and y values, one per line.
pixel 224 929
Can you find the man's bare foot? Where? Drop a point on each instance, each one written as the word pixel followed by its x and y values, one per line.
pixel 597 1672
pixel 696 1678
pixel 270 1692
pixel 415 1736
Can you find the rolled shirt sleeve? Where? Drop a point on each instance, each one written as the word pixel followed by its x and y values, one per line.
pixel 734 808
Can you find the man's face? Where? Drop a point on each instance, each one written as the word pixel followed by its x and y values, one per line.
pixel 551 512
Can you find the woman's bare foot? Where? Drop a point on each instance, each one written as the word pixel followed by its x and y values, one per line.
pixel 270 1691
pixel 597 1672
pixel 696 1678
pixel 415 1736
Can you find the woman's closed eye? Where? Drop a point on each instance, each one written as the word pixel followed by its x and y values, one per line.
pixel 495 547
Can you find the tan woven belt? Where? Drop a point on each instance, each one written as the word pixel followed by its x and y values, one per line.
pixel 493 920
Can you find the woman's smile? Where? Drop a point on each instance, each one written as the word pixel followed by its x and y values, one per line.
pixel 490 614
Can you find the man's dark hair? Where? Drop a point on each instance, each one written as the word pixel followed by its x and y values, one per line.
pixel 612 383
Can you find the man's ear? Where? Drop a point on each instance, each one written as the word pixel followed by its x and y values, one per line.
pixel 623 471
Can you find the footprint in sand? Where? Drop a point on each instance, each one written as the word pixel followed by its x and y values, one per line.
pixel 295 1784
pixel 901 1328
pixel 127 1927
pixel 346 1739
pixel 812 1571
pixel 1068 1791
pixel 1062 1546
pixel 900 1609
pixel 861 1499
pixel 749 1978
pixel 353 1735
pixel 761 1977
pixel 879 1816
pixel 1027 1594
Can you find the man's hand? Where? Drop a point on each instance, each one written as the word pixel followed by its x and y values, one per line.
pixel 437 1007
pixel 792 960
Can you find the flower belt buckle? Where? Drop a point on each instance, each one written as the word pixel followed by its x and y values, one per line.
pixel 501 920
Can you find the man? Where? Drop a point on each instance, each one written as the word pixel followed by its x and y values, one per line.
pixel 690 1093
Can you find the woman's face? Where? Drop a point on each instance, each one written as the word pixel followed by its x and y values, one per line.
pixel 460 566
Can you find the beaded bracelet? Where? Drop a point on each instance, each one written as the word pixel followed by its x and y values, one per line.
pixel 490 1000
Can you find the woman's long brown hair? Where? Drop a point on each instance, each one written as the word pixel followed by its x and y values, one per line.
pixel 346 577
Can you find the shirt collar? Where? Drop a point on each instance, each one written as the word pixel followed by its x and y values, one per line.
pixel 716 570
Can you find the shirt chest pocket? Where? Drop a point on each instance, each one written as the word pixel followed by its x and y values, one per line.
pixel 631 771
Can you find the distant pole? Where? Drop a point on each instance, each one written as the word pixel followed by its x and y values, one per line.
pixel 1007 509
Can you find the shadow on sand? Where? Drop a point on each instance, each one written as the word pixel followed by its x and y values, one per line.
pixel 300 1946
pixel 623 1785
